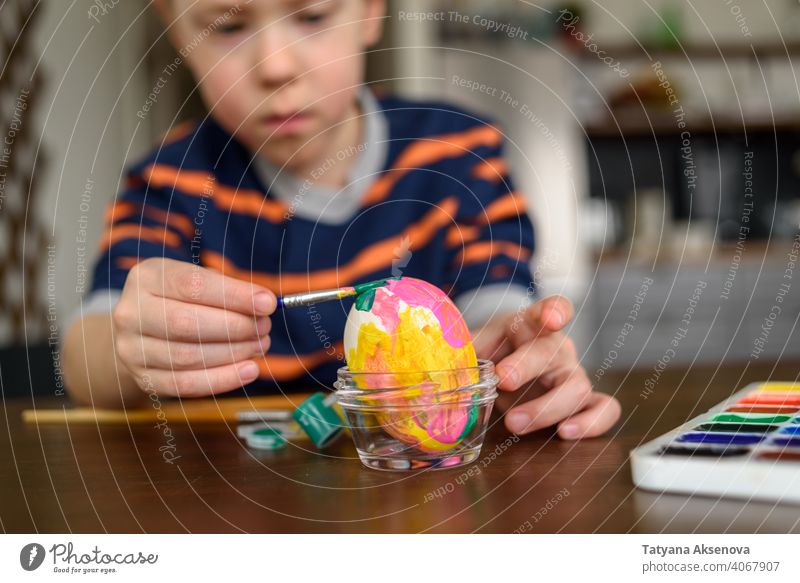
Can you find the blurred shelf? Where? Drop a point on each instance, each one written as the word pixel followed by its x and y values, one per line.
pixel 664 124
pixel 627 50
pixel 695 51
pixel 720 253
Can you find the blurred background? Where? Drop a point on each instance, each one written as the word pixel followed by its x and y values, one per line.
pixel 657 142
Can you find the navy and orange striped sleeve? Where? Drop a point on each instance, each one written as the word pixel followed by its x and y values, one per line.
pixel 140 223
pixel 491 242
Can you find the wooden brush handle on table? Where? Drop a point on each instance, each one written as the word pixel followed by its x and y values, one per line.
pixel 177 410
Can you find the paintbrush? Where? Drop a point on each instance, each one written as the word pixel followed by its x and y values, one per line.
pixel 327 295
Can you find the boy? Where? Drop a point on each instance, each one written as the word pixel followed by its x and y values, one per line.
pixel 301 179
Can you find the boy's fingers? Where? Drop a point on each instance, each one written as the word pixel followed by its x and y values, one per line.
pixel 498 351
pixel 601 413
pixel 200 383
pixel 178 321
pixel 555 405
pixel 157 353
pixel 532 360
pixel 187 282
pixel 491 342
pixel 550 314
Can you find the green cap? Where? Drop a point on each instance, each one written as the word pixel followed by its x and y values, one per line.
pixel 318 420
pixel 266 438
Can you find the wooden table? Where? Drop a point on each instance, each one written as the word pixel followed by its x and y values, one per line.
pixel 111 478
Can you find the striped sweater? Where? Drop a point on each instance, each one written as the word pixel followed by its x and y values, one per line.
pixel 429 196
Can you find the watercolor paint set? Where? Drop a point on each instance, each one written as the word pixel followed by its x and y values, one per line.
pixel 748 446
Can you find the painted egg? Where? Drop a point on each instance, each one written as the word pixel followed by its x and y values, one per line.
pixel 407 325
pixel 412 330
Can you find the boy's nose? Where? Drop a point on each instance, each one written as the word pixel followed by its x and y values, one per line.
pixel 277 63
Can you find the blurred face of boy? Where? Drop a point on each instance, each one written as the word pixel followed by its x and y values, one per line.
pixel 281 75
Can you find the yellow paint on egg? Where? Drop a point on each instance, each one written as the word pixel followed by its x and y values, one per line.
pixel 417 347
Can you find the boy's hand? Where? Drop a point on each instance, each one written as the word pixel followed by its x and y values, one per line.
pixel 529 348
pixel 184 330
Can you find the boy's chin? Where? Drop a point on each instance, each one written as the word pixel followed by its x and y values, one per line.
pixel 289 153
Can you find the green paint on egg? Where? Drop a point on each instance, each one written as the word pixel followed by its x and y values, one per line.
pixel 366 292
pixel 364 301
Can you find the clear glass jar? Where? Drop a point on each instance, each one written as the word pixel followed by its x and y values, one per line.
pixel 408 421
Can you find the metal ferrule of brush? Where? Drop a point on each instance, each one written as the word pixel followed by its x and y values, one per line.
pixel 306 299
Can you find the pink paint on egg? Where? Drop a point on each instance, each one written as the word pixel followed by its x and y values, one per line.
pixel 415 292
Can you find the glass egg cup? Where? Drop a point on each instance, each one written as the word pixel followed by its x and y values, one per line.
pixel 410 421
